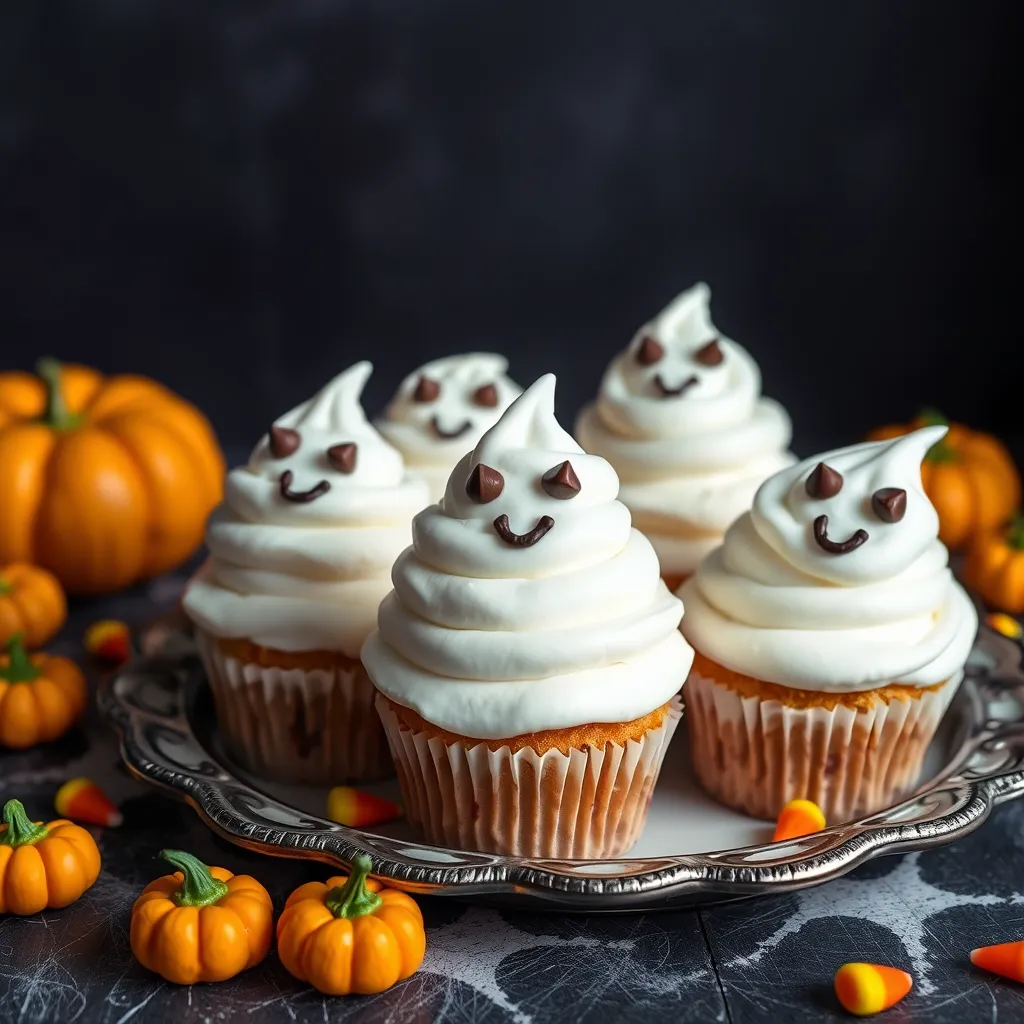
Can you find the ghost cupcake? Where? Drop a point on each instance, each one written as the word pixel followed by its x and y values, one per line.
pixel 528 660
pixel 442 409
pixel 830 636
pixel 300 556
pixel 681 418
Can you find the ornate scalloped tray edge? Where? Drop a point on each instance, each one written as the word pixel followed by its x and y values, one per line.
pixel 151 704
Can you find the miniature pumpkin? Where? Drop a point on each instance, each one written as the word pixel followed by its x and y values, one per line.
pixel 41 696
pixel 200 924
pixel 31 602
pixel 350 934
pixel 968 475
pixel 43 866
pixel 107 480
pixel 995 567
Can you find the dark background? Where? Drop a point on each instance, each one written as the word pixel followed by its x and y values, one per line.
pixel 242 198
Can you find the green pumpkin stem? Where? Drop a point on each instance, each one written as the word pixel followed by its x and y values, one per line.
pixel 5 587
pixel 56 414
pixel 940 451
pixel 20 830
pixel 20 668
pixel 353 899
pixel 198 888
pixel 1015 533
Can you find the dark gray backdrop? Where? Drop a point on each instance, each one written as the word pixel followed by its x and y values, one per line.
pixel 240 198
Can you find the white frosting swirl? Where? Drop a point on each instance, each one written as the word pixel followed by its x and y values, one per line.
pixel 690 463
pixel 419 429
pixel 299 575
pixel 489 639
pixel 772 603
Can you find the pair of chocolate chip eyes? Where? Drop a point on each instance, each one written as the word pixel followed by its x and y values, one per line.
pixel 428 390
pixel 485 483
pixel 284 442
pixel 888 503
pixel 650 351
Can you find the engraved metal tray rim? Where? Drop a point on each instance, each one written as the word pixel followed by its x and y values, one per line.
pixel 148 703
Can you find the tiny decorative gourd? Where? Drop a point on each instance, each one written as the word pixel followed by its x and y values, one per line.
pixel 969 476
pixel 32 602
pixel 106 480
pixel 201 923
pixel 350 935
pixel 995 567
pixel 41 696
pixel 43 866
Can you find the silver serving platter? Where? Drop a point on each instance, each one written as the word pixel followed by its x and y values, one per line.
pixel 162 709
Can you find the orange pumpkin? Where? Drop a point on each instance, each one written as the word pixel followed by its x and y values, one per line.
pixel 995 567
pixel 31 603
pixel 969 476
pixel 106 480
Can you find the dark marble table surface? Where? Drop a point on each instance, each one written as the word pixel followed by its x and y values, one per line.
pixel 762 960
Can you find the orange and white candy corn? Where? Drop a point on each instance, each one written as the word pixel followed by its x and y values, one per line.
pixel 798 818
pixel 353 807
pixel 1005 624
pixel 110 640
pixel 1005 959
pixel 82 800
pixel 866 989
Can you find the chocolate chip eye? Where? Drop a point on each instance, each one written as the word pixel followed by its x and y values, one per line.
pixel 649 351
pixel 484 484
pixel 889 504
pixel 710 354
pixel 343 456
pixel 824 482
pixel 427 390
pixel 283 441
pixel 561 481
pixel 486 394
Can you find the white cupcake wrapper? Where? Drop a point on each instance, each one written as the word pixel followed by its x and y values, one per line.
pixel 311 726
pixel 756 755
pixel 589 803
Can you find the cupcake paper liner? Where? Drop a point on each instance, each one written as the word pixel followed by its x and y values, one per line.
pixel 311 726
pixel 756 755
pixel 589 803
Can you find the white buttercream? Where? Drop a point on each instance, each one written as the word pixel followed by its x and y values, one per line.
pixel 689 464
pixel 417 429
pixel 308 576
pixel 490 640
pixel 773 604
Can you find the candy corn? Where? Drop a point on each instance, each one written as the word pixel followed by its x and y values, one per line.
pixel 866 989
pixel 1005 624
pixel 83 800
pixel 798 818
pixel 109 640
pixel 1006 959
pixel 357 809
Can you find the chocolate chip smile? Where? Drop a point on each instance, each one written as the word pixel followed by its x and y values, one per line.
pixel 301 497
pixel 667 392
pixel 522 540
pixel 833 547
pixel 449 435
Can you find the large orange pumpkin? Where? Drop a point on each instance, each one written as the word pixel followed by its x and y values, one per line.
pixel 969 476
pixel 106 480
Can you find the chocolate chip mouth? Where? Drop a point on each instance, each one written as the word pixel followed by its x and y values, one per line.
pixel 301 497
pixel 522 540
pixel 449 435
pixel 667 392
pixel 833 547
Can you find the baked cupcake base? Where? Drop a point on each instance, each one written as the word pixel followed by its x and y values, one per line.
pixel 302 717
pixel 755 745
pixel 568 793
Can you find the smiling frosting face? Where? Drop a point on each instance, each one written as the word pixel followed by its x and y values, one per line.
pixel 442 409
pixel 836 578
pixel 301 549
pixel 527 601
pixel 681 418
